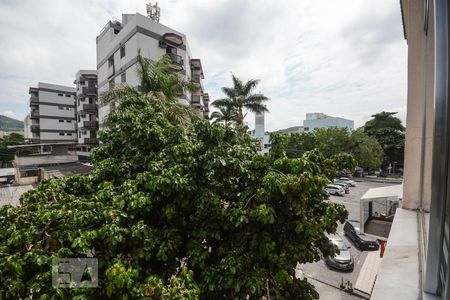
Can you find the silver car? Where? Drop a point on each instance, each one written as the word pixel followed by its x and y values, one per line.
pixel 343 260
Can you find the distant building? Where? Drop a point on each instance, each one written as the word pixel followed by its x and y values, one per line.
pixel 52 113
pixel 35 162
pixel 27 127
pixel 294 129
pixel 87 111
pixel 321 120
pixel 118 44
pixel 260 134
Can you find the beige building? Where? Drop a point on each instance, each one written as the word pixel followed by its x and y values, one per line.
pixel 415 265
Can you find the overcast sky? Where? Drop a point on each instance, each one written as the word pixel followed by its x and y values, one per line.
pixel 345 58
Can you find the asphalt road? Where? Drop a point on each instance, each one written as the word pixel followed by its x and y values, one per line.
pixel 327 281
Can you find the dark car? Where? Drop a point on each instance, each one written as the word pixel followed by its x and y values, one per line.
pixel 361 241
pixel 325 194
pixel 343 260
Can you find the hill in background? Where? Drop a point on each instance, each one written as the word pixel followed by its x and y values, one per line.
pixel 10 124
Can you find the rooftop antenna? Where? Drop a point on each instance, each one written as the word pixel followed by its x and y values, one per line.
pixel 153 11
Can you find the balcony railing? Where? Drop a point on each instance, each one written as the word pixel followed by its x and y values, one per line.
pixel 195 100
pixel 90 124
pixel 90 141
pixel 177 61
pixel 34 114
pixel 35 128
pixel 90 107
pixel 34 100
pixel 89 91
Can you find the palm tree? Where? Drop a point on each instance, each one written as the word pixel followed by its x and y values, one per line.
pixel 161 86
pixel 241 96
pixel 225 114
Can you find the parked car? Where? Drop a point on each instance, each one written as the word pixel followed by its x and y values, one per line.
pixel 325 194
pixel 344 185
pixel 361 241
pixel 346 180
pixel 343 260
pixel 335 190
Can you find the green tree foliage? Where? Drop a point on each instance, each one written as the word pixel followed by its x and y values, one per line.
pixel 366 150
pixel 389 132
pixel 7 155
pixel 176 208
pixel 241 96
pixel 225 114
pixel 332 141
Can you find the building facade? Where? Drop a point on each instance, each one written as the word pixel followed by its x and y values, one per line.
pixel 320 120
pixel 260 135
pixel 52 113
pixel 415 264
pixel 87 111
pixel 118 45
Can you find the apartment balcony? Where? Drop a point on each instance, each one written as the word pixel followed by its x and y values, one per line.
pixel 206 109
pixel 177 61
pixel 90 108
pixel 196 67
pixel 34 115
pixel 90 124
pixel 35 128
pixel 205 115
pixel 90 91
pixel 34 101
pixel 205 99
pixel 195 100
pixel 173 38
pixel 90 141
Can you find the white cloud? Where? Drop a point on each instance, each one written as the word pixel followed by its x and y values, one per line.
pixel 344 58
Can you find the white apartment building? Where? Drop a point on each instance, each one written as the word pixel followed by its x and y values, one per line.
pixel 52 113
pixel 321 120
pixel 87 111
pixel 27 127
pixel 117 52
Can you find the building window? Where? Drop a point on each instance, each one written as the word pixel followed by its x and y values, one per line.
pixel 68 96
pixel 67 108
pixel 69 121
pixel 79 133
pixel 111 62
pixel 122 51
pixel 69 134
pixel 60 95
pixel 61 133
pixel 123 77
pixel 61 121
pixel 60 107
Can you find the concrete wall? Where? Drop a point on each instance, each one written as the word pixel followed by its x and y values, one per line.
pixel 56 124
pixel 44 160
pixel 420 111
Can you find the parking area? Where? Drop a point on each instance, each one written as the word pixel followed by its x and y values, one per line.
pixel 326 280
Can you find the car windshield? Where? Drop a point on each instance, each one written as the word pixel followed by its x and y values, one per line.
pixel 340 245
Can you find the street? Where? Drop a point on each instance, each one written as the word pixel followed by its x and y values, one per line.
pixel 326 280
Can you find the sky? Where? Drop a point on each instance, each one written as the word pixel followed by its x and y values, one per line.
pixel 345 58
